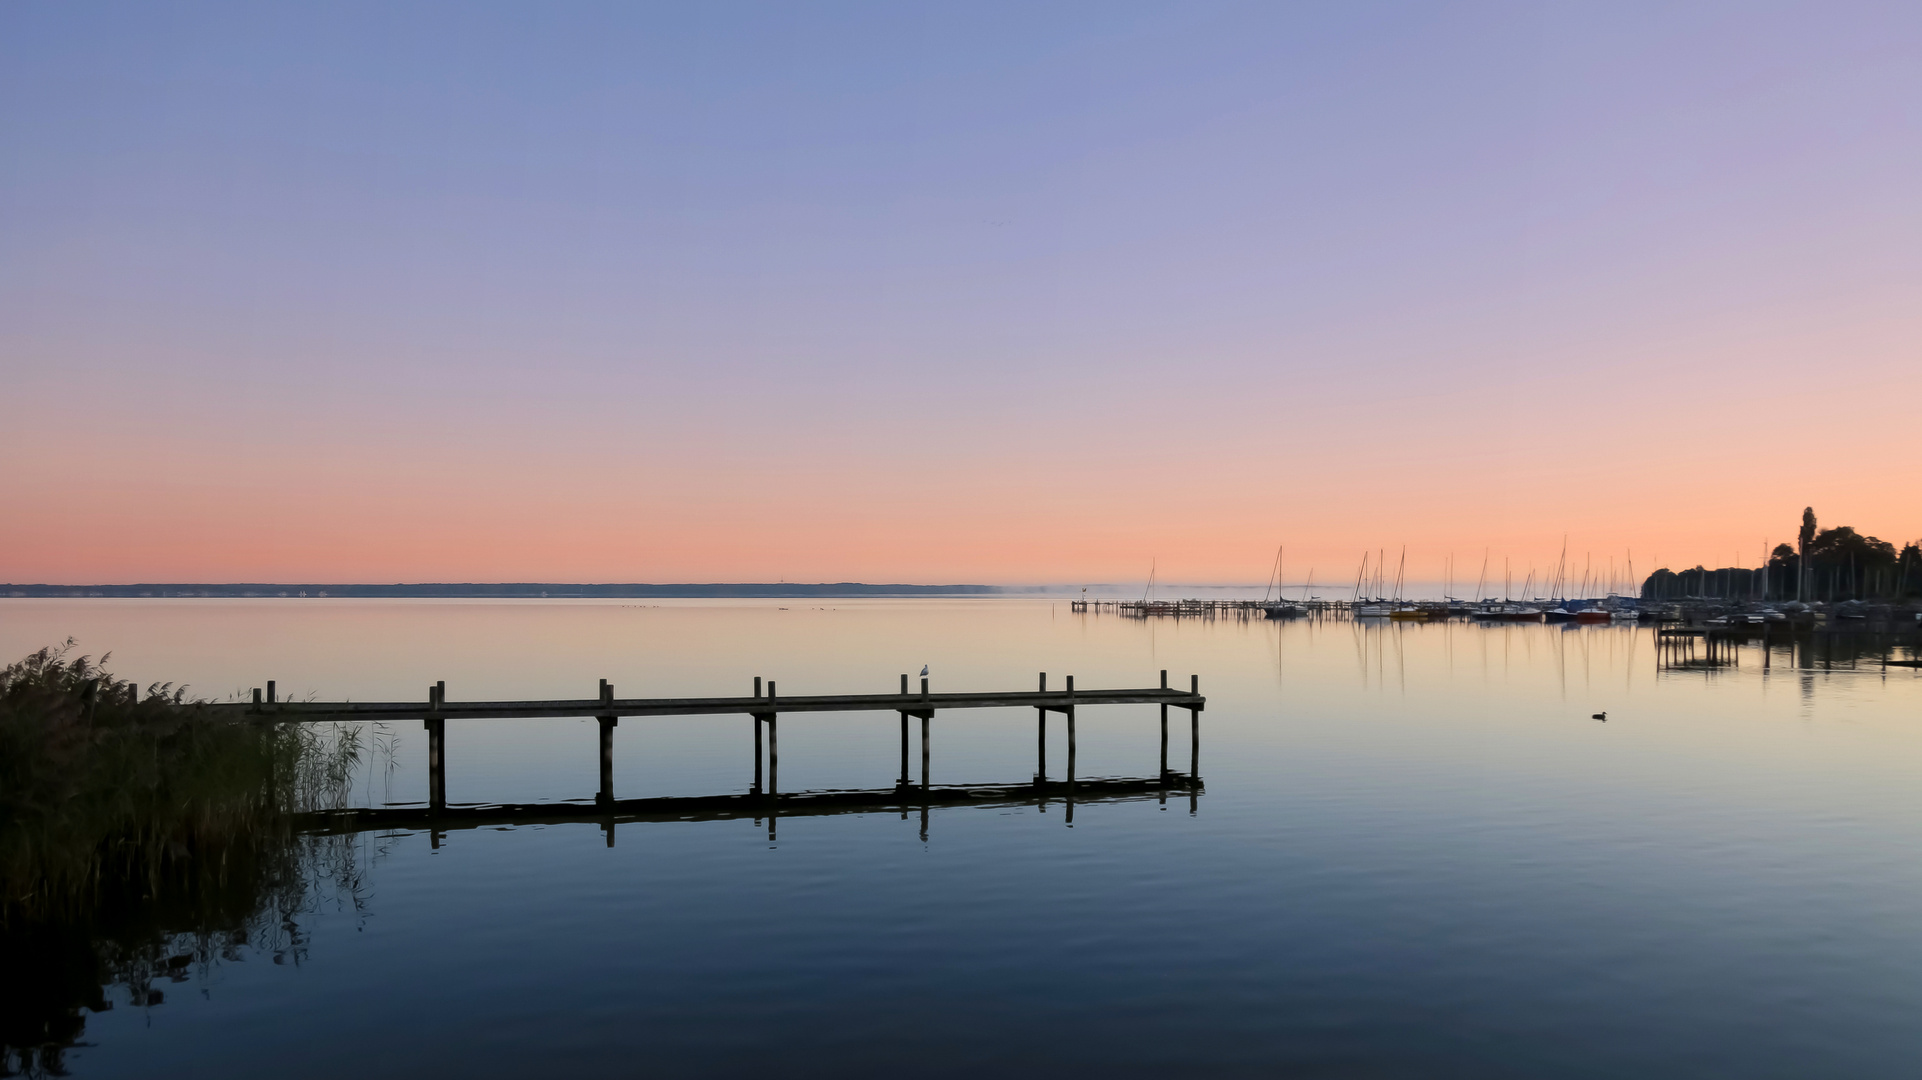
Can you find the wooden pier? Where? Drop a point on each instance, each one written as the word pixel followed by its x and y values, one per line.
pixel 764 710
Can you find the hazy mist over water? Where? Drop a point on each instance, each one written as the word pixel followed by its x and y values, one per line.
pixel 1416 853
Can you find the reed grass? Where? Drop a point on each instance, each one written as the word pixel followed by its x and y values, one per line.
pixel 141 834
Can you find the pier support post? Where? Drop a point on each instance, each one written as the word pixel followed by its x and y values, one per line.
pixel 436 747
pixel 1041 738
pixel 756 789
pixel 903 782
pixel 773 759
pixel 1040 747
pixel 1164 739
pixel 607 722
pixel 436 762
pixel 1070 712
pixel 924 752
pixel 607 757
pixel 1194 748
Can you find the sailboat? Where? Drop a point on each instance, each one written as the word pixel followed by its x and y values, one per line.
pixel 1366 609
pixel 1280 609
pixel 1402 610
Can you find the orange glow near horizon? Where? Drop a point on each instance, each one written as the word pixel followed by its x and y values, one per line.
pixel 951 304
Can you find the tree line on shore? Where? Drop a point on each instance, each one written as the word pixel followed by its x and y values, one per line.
pixel 1827 565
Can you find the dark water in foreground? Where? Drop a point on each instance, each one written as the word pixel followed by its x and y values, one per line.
pixel 1415 855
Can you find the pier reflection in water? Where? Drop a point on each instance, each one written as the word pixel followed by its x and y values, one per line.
pixel 1416 855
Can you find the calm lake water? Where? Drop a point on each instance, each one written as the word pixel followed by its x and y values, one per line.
pixel 1415 855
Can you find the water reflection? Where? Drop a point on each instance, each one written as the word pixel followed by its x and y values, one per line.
pixel 1396 819
pixel 138 937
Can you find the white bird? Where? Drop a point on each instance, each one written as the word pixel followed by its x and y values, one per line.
pixel 924 671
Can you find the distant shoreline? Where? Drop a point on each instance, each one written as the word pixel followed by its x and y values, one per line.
pixel 509 590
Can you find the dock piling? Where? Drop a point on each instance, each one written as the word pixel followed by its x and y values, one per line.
pixel 271 697
pixel 1041 737
pixel 1070 712
pixel 436 763
pixel 1040 746
pixel 1194 749
pixel 903 783
pixel 436 746
pixel 1164 737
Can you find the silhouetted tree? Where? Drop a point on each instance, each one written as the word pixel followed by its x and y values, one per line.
pixel 1831 564
pixel 1803 540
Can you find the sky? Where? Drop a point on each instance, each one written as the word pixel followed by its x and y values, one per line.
pixel 1001 293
